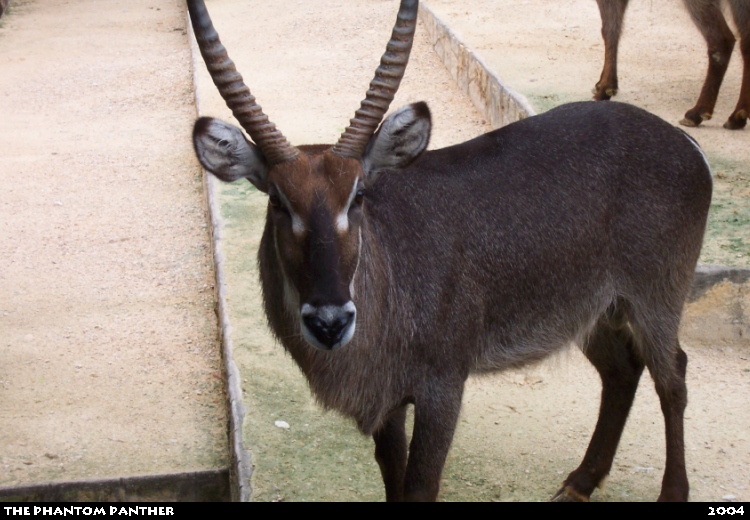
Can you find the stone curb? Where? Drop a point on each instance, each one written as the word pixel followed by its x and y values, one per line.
pixel 198 486
pixel 500 104
pixel 241 468
pixel 706 276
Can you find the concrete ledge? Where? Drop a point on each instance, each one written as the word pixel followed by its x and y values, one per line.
pixel 240 457
pixel 706 276
pixel 241 468
pixel 198 486
pixel 500 104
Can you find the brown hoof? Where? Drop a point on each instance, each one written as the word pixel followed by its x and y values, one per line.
pixel 736 121
pixel 603 93
pixel 693 117
pixel 673 496
pixel 689 122
pixel 568 494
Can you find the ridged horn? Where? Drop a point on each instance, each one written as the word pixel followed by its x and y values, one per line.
pixel 384 86
pixel 274 146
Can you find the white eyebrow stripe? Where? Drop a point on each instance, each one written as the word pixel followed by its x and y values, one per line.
pixel 342 221
pixel 298 227
pixel 356 267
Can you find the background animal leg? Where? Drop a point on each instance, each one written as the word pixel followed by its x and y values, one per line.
pixel 612 352
pixel 390 452
pixel 720 40
pixel 613 14
pixel 741 14
pixel 435 418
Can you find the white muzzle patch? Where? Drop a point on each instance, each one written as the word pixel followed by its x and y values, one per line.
pixel 328 327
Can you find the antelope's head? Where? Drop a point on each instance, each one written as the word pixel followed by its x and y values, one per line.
pixel 316 194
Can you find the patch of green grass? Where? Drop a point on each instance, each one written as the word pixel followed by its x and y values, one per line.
pixel 543 100
pixel 727 239
pixel 14 8
pixel 322 456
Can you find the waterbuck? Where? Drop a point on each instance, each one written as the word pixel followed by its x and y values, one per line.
pixel 707 16
pixel 391 273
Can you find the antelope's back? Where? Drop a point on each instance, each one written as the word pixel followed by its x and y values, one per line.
pixel 547 219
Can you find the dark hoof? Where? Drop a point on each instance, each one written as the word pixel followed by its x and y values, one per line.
pixel 692 118
pixel 676 496
pixel 568 494
pixel 691 123
pixel 604 95
pixel 736 121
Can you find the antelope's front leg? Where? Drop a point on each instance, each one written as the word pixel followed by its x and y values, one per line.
pixel 390 452
pixel 435 418
pixel 612 13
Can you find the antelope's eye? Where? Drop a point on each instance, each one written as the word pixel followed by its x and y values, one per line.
pixel 274 200
pixel 359 197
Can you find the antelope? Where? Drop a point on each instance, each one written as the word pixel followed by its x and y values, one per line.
pixel 390 273
pixel 707 16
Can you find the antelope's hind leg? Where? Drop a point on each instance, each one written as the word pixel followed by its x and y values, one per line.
pixel 707 16
pixel 667 363
pixel 741 13
pixel 611 350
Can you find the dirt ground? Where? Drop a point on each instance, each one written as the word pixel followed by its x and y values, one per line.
pixel 109 359
pixel 552 52
pixel 521 432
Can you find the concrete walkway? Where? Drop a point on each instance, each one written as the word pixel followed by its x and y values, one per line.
pixel 109 358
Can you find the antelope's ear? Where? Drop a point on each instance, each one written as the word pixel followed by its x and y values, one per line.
pixel 223 150
pixel 399 141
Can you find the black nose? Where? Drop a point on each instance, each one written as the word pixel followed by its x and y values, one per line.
pixel 328 331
